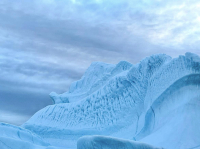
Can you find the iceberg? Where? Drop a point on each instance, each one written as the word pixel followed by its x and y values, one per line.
pixel 156 101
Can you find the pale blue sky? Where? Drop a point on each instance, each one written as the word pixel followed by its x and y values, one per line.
pixel 47 44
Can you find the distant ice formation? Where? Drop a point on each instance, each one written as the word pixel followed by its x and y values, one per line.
pixel 156 101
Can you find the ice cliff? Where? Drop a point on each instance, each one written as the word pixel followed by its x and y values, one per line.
pixel 156 101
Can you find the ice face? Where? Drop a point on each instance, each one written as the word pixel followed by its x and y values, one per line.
pixel 95 76
pixel 175 111
pixel 155 101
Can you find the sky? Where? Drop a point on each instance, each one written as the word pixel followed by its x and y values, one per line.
pixel 45 45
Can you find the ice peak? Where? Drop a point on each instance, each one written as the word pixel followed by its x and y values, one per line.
pixel 193 57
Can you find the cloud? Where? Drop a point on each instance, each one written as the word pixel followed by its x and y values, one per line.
pixel 45 45
pixel 10 117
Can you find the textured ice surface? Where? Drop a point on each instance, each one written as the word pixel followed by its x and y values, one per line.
pixel 94 78
pixel 102 142
pixel 156 101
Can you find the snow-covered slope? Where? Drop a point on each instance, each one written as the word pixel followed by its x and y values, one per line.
pixel 155 101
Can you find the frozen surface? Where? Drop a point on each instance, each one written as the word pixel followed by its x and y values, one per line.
pixel 174 117
pixel 13 137
pixel 102 142
pixel 156 101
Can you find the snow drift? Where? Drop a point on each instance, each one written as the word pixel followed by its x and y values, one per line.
pixel 156 101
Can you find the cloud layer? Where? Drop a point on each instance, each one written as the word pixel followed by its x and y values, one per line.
pixel 47 44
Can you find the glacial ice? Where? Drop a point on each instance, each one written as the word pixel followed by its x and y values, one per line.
pixel 155 101
pixel 13 137
pixel 102 142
